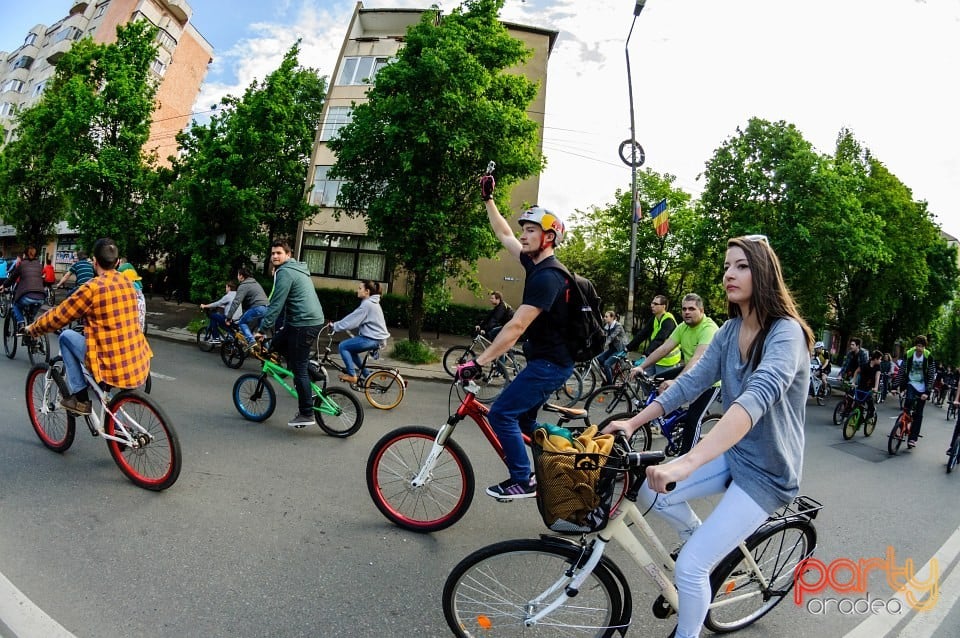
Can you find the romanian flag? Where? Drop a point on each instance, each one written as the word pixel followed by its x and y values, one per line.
pixel 661 219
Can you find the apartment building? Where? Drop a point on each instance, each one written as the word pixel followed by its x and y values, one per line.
pixel 183 56
pixel 339 252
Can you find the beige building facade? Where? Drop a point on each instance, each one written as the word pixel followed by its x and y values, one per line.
pixel 183 56
pixel 339 252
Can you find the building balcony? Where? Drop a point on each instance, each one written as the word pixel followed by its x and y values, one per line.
pixel 79 6
pixel 57 49
pixel 179 9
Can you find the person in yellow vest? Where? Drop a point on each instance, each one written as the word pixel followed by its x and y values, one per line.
pixel 655 332
pixel 692 336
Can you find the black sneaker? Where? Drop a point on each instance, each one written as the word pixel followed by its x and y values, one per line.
pixel 301 420
pixel 510 489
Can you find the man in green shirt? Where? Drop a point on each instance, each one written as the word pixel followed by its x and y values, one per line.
pixel 692 336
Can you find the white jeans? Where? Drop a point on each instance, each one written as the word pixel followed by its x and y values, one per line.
pixel 734 518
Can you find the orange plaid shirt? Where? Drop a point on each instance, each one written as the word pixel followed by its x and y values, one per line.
pixel 117 351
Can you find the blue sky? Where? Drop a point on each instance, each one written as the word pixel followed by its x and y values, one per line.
pixel 886 69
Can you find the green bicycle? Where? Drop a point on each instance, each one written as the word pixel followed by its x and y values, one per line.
pixel 337 412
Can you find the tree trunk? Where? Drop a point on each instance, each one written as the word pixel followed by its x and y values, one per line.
pixel 416 309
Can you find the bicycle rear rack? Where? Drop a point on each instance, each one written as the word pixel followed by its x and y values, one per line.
pixel 802 506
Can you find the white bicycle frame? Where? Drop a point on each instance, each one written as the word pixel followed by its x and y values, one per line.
pixel 96 421
pixel 657 566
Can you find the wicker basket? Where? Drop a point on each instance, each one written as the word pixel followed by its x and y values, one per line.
pixel 574 490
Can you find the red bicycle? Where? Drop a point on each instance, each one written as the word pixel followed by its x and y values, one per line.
pixel 422 480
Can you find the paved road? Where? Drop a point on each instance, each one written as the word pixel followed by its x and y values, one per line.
pixel 270 531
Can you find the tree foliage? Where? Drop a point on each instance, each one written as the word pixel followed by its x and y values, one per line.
pixel 241 176
pixel 433 119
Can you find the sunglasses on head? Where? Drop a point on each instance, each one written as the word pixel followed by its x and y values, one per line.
pixel 759 238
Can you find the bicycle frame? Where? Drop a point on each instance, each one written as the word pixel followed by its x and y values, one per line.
pixel 279 373
pixel 656 562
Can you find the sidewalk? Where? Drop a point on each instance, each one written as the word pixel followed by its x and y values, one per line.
pixel 169 320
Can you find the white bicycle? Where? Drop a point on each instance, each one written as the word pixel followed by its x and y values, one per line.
pixel 556 586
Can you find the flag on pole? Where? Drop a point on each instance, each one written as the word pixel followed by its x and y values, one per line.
pixel 661 219
pixel 637 213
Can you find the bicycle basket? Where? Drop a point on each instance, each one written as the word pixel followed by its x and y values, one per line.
pixel 574 485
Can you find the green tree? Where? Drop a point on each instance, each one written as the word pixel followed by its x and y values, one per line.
pixel 241 176
pixel 411 155
pixel 599 246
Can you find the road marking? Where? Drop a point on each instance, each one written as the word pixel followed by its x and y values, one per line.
pixel 921 624
pixel 22 619
pixel 163 377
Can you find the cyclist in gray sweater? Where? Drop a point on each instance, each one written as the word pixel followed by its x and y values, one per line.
pixel 754 455
pixel 369 322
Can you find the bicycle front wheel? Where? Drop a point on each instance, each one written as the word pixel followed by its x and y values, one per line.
pixel 851 424
pixel 953 454
pixel 897 435
pixel 204 337
pixel 446 494
pixel 384 389
pixel 153 463
pixel 495 589
pixel 739 598
pixel 10 336
pixel 641 440
pixel 254 397
pixel 53 424
pixel 338 413
pixel 455 356
pixel 607 400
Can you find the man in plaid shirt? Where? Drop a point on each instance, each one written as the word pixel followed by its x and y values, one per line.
pixel 112 347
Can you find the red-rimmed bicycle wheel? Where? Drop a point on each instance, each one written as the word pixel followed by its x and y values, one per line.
pixel 440 502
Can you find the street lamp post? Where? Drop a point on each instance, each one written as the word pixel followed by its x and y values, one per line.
pixel 636 160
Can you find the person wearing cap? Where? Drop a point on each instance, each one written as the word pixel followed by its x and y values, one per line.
pixel 543 317
pixel 127 270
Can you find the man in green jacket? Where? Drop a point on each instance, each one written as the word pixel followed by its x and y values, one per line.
pixel 294 295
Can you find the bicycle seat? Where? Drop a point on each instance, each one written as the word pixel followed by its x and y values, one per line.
pixel 570 413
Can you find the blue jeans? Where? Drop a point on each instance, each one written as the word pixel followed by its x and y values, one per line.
pixel 218 325
pixel 73 349
pixel 21 304
pixel 734 518
pixel 350 350
pixel 606 359
pixel 254 314
pixel 515 411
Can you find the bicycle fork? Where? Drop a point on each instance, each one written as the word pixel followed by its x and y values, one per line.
pixel 439 444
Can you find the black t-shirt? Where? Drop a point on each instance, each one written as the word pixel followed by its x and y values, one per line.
pixel 868 375
pixel 546 288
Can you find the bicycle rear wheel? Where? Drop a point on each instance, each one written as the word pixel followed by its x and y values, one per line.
pixel 154 463
pixel 838 414
pixel 495 589
pixel 897 435
pixel 953 453
pixel 10 336
pixel 384 389
pixel 441 501
pixel 739 599
pixel 53 424
pixel 491 383
pixel 338 413
pixel 610 399
pixel 870 423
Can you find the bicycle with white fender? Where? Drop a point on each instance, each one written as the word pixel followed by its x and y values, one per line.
pixel 556 586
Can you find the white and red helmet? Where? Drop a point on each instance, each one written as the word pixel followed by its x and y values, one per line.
pixel 546 219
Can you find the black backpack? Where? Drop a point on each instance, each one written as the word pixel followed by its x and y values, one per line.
pixel 585 337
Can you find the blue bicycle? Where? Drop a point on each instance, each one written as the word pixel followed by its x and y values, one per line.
pixel 606 399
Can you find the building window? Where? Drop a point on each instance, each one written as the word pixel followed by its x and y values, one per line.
pixel 101 10
pixel 361 70
pixel 12 85
pixel 38 89
pixel 158 67
pixel 30 39
pixel 344 256
pixel 7 109
pixel 325 191
pixel 71 33
pixel 166 40
pixel 337 118
pixel 23 62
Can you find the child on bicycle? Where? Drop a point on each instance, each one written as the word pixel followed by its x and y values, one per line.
pixel 868 380
pixel 369 322
pixel 614 343
pixel 754 454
